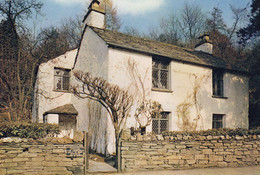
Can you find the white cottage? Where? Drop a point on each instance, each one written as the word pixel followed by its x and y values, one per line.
pixel 196 90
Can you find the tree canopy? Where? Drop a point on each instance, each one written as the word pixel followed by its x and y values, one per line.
pixel 253 29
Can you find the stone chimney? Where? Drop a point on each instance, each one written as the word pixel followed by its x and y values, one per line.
pixel 205 44
pixel 95 16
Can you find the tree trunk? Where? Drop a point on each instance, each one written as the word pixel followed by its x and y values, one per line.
pixel 118 154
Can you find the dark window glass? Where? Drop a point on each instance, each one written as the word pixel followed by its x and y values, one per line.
pixel 218 83
pixel 217 121
pixel 160 123
pixel 61 79
pixel 160 74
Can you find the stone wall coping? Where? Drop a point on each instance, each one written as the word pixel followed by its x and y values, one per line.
pixel 160 137
pixel 53 140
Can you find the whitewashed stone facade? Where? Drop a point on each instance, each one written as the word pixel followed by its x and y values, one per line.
pixel 188 82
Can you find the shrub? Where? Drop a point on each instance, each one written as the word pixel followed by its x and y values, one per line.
pixel 215 132
pixel 28 130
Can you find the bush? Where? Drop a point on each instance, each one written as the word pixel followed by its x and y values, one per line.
pixel 215 132
pixel 28 130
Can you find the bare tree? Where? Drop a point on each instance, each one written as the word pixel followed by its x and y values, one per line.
pixel 113 21
pixel 116 101
pixel 17 78
pixel 192 23
pixel 51 42
pixel 132 31
pixel 17 65
pixel 239 15
pixel 216 22
pixel 72 29
pixel 223 37
pixel 168 31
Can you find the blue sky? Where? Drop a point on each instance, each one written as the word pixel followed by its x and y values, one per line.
pixel 141 14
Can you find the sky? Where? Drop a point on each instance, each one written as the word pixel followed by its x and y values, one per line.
pixel 140 14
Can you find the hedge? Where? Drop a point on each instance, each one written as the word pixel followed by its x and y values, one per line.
pixel 28 130
pixel 215 132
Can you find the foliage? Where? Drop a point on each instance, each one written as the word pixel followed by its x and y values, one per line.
pixel 215 132
pixel 253 29
pixel 28 130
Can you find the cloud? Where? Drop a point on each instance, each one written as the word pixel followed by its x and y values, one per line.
pixel 136 7
pixel 70 2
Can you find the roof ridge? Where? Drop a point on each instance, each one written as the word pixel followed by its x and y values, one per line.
pixel 140 37
pixel 166 50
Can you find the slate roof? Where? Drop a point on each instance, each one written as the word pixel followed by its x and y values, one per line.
pixel 65 109
pixel 123 41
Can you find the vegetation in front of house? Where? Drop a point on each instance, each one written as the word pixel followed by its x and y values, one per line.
pixel 215 132
pixel 28 130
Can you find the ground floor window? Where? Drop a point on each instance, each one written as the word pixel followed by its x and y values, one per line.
pixel 217 121
pixel 160 123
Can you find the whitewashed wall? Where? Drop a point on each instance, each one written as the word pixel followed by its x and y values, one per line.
pixel 183 78
pixel 45 97
pixel 92 57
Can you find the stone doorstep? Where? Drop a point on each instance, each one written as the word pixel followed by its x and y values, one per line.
pixel 100 167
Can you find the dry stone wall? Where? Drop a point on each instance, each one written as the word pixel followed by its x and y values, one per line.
pixel 183 152
pixel 22 156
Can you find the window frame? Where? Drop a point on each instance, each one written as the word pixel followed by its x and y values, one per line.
pixel 62 77
pixel 161 62
pixel 218 83
pixel 218 120
pixel 160 119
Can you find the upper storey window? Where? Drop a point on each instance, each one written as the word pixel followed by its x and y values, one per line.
pixel 61 79
pixel 160 74
pixel 218 85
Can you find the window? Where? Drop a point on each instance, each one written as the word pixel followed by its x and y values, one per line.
pixel 160 74
pixel 61 79
pixel 217 121
pixel 160 123
pixel 218 83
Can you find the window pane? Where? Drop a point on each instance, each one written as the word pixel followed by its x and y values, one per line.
pixel 66 73
pixel 217 121
pixel 163 125
pixel 165 115
pixel 58 81
pixel 155 78
pixel 160 74
pixel 164 79
pixel 217 83
pixel 155 126
pixel 164 65
pixel 66 83
pixel 61 79
pixel 58 72
pixel 155 64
